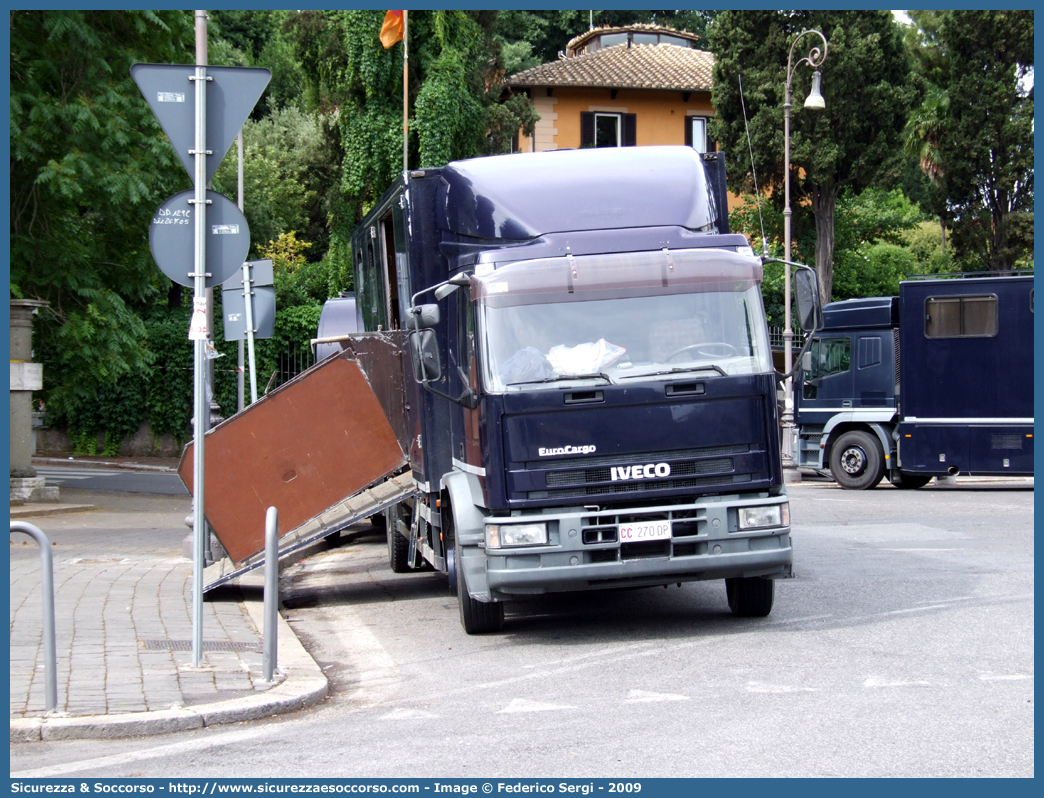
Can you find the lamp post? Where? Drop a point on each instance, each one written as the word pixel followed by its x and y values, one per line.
pixel 814 59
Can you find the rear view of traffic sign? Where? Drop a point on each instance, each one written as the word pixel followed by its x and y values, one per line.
pixel 260 274
pixel 234 308
pixel 231 96
pixel 172 233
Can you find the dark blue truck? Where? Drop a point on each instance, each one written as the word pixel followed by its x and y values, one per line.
pixel 937 381
pixel 590 393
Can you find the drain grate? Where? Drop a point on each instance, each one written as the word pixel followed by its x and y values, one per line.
pixel 208 645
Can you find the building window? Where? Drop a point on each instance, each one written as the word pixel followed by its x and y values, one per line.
pixel 602 129
pixel 607 130
pixel 696 134
pixel 960 316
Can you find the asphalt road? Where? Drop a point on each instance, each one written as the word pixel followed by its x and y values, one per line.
pixel 903 647
pixel 113 479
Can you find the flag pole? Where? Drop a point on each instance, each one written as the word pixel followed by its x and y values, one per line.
pixel 405 91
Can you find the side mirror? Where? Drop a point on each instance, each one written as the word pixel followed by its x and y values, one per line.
pixel 809 308
pixel 424 356
pixel 806 363
pixel 423 317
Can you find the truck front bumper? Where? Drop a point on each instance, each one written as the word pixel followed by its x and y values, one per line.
pixel 705 544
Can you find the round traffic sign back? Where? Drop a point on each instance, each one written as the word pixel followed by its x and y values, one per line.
pixel 172 238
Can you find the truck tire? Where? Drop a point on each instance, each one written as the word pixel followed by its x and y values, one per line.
pixel 398 546
pixel 477 617
pixel 750 597
pixel 856 461
pixel 911 481
pixel 451 569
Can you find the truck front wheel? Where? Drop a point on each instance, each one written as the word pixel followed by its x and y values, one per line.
pixel 856 461
pixel 750 597
pixel 477 617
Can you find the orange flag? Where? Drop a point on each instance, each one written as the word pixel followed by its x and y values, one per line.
pixel 393 29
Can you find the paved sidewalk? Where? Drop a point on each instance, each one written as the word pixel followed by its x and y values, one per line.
pixel 123 600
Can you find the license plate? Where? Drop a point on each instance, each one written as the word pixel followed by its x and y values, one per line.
pixel 645 530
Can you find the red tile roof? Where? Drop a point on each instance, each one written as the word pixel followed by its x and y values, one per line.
pixel 644 66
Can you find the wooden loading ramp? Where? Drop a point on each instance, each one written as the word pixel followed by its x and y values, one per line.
pixel 325 449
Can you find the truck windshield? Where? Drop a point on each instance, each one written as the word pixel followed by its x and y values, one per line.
pixel 621 317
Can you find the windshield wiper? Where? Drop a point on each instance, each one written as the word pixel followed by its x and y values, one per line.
pixel 679 370
pixel 560 377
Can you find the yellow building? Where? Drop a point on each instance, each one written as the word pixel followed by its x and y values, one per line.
pixel 616 87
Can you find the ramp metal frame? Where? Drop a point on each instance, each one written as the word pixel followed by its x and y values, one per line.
pixel 342 515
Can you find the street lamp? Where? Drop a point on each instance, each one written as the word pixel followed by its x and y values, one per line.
pixel 814 59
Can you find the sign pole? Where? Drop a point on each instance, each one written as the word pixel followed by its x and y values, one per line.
pixel 248 307
pixel 199 302
pixel 239 375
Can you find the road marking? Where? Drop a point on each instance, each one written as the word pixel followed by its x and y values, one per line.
pixel 186 746
pixel 645 697
pixel 375 673
pixel 86 472
pixel 918 609
pixel 525 705
pixel 880 681
pixel 780 689
pixel 1011 677
pixel 613 652
pixel 73 474
pixel 408 714
pixel 801 620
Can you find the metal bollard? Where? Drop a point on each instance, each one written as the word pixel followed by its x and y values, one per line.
pixel 47 591
pixel 271 634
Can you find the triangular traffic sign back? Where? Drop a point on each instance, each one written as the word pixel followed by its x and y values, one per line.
pixel 231 96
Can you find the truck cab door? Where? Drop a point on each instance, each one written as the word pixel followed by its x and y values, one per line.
pixel 827 388
pixel 466 427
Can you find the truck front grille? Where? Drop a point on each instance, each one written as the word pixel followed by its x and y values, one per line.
pixel 603 474
pixel 639 487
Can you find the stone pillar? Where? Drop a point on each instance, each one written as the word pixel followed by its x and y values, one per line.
pixel 26 377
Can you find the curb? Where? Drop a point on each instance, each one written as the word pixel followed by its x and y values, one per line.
pixel 33 510
pixel 303 685
pixel 60 461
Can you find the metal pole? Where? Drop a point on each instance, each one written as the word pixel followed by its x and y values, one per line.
pixel 271 633
pixel 248 305
pixel 815 58
pixel 47 599
pixel 405 90
pixel 202 411
pixel 239 374
pixel 788 334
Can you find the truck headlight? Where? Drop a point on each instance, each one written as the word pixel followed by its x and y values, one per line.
pixel 764 515
pixel 507 535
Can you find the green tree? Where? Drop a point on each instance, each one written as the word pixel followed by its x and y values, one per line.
pixel 260 36
pixel 923 140
pixel 988 155
pixel 89 166
pixel 854 143
pixel 879 242
pixel 455 83
pixel 289 171
pixel 872 251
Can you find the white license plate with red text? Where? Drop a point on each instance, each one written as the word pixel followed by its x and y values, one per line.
pixel 645 530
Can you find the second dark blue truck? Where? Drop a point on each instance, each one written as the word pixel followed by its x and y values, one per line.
pixel 936 381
